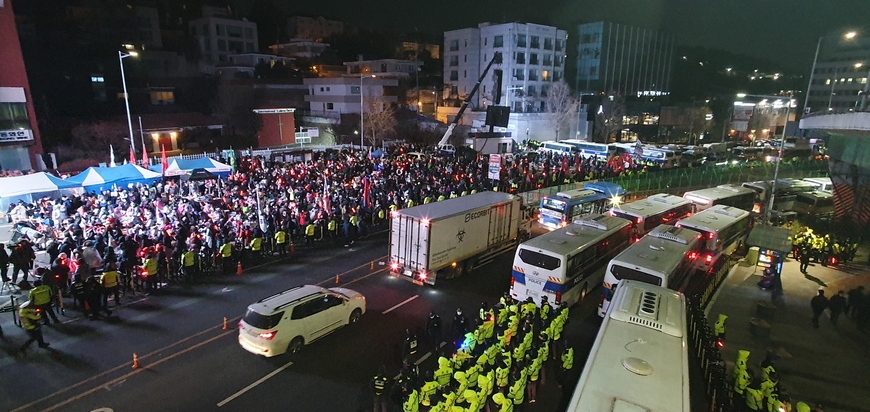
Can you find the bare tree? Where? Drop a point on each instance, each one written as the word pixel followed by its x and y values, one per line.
pixel 609 118
pixel 234 104
pixel 380 119
pixel 562 107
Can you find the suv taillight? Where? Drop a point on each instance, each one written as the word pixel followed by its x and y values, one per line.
pixel 268 335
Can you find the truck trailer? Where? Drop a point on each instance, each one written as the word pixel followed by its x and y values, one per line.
pixel 448 238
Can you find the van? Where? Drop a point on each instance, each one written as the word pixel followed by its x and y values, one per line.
pixel 558 148
pixel 286 321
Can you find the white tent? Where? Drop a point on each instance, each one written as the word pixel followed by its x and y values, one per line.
pixel 33 186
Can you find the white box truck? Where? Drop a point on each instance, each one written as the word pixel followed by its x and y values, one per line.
pixel 448 238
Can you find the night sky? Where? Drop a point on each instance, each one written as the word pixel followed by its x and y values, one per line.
pixel 780 30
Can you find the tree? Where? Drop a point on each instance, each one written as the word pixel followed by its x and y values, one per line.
pixel 609 118
pixel 92 141
pixel 234 104
pixel 380 119
pixel 562 107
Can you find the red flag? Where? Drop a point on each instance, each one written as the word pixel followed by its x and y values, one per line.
pixel 145 161
pixel 132 155
pixel 163 159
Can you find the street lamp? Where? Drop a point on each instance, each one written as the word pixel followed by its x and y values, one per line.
pixel 362 110
pixel 788 105
pixel 848 36
pixel 121 57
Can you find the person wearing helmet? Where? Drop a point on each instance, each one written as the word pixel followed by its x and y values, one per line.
pixel 433 329
pixel 30 321
pixel 459 326
pixel 379 390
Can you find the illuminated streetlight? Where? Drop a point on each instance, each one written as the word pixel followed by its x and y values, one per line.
pixel 121 57
pixel 847 36
pixel 850 35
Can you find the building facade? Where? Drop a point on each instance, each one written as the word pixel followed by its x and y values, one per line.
pixel 332 97
pixel 20 143
pixel 218 35
pixel 300 48
pixel 630 61
pixel 384 67
pixel 839 82
pixel 533 57
pixel 313 28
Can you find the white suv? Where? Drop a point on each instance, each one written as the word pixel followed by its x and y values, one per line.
pixel 284 322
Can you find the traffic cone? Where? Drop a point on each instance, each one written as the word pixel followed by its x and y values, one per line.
pixel 372 266
pixel 292 248
pixel 239 269
pixel 336 279
pixel 136 361
pixel 225 323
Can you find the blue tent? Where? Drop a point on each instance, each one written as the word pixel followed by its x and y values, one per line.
pixel 34 186
pixel 179 167
pixel 105 178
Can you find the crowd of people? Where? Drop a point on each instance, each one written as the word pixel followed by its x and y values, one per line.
pixel 494 362
pixel 763 391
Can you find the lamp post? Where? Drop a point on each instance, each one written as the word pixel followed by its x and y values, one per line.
pixel 121 57
pixel 847 36
pixel 362 111
pixel 778 99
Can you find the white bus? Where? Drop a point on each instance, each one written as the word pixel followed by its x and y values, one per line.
pixel 566 264
pixel 814 203
pixel 665 257
pixel 737 196
pixel 558 148
pixel 722 228
pixel 600 150
pixel 647 214
pixel 639 361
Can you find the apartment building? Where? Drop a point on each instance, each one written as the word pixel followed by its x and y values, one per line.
pixel 219 35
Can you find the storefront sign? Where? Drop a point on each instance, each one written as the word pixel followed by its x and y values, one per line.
pixel 15 136
pixel 494 166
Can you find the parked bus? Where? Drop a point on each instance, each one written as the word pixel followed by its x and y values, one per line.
pixel 639 361
pixel 723 230
pixel 566 264
pixel 666 256
pixel 664 158
pixel 647 214
pixel 736 196
pixel 565 207
pixel 786 191
pixel 558 148
pixel 822 184
pixel 600 150
pixel 814 203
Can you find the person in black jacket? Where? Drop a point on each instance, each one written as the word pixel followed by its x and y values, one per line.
pixel 4 263
pixel 819 303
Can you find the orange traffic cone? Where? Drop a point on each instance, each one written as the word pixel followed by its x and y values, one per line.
pixel 372 266
pixel 225 323
pixel 239 269
pixel 136 361
pixel 336 279
pixel 292 248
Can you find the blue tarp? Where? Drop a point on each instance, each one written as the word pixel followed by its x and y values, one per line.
pixel 179 167
pixel 105 178
pixel 32 187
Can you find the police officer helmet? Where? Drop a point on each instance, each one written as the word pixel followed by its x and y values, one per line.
pixel 37 282
pixel 530 300
pixel 459 312
pixel 544 298
pixel 408 331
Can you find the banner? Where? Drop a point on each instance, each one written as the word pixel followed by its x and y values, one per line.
pixel 494 166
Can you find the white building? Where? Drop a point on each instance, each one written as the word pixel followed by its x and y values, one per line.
pixel 533 56
pixel 244 65
pixel 219 36
pixel 384 67
pixel 332 97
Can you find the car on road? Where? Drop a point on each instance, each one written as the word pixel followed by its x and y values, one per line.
pixel 286 321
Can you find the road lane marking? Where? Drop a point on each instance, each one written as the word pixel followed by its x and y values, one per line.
pixel 400 304
pixel 253 385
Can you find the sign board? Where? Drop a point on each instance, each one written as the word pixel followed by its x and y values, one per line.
pixel 15 136
pixel 740 125
pixel 274 111
pixel 494 166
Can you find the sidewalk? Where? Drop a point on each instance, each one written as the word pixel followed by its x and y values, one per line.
pixel 827 365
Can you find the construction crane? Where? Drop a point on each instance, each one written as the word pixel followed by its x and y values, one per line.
pixel 444 147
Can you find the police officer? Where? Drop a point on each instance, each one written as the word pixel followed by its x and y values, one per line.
pixel 281 241
pixel 567 363
pixel 719 328
pixel 188 264
pixel 30 318
pixel 309 234
pixel 110 285
pixel 379 390
pixel 433 329
pixel 40 298
pixel 459 326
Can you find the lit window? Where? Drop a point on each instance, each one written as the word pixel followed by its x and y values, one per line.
pixel 828 82
pixel 545 75
pixel 864 81
pixel 849 80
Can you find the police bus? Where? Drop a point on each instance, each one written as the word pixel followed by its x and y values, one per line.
pixel 639 361
pixel 601 151
pixel 566 264
pixel 814 203
pixel 665 257
pixel 558 148
pixel 723 229
pixel 557 211
pixel 737 196
pixel 647 214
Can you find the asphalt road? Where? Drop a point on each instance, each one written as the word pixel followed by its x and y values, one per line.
pixel 189 362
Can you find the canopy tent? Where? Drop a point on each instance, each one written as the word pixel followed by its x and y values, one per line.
pixel 178 167
pixel 105 178
pixel 196 175
pixel 33 187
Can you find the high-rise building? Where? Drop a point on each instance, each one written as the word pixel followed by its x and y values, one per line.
pixel 19 134
pixel 626 60
pixel 219 35
pixel 533 57
pixel 839 80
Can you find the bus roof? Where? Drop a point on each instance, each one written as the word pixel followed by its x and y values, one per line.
pixel 661 251
pixel 717 192
pixel 654 204
pixel 606 188
pixel 578 235
pixel 639 360
pixel 715 218
pixel 577 194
